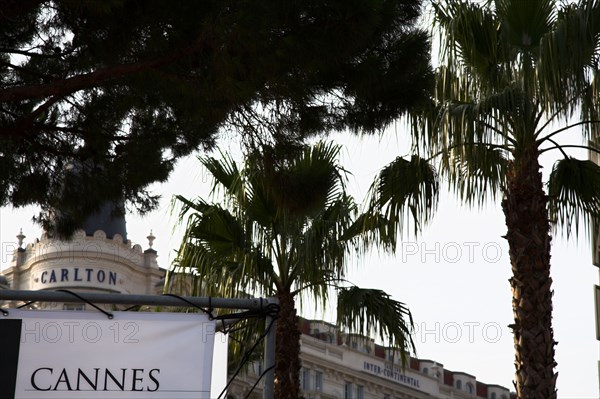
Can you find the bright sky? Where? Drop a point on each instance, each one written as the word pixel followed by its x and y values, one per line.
pixel 454 277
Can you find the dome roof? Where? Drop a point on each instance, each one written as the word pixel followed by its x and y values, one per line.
pixel 110 219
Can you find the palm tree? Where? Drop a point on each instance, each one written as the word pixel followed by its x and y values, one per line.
pixel 287 227
pixel 510 72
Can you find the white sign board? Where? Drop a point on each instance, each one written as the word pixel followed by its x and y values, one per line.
pixel 69 354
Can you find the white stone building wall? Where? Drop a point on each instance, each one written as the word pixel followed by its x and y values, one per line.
pixel 85 264
pixel 332 369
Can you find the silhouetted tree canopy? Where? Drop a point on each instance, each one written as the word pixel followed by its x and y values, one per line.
pixel 98 99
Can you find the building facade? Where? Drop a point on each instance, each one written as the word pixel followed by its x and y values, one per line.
pixel 343 366
pixel 98 258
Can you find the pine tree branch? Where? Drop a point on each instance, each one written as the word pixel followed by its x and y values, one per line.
pixel 62 87
pixel 14 8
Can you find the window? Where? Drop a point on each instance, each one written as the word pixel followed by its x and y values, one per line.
pixel 348 390
pixel 493 395
pixel 305 379
pixel 459 385
pixel 319 381
pixel 258 368
pixel 469 387
pixel 425 370
pixel 360 392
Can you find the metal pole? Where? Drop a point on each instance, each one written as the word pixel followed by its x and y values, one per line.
pixel 126 299
pixel 269 361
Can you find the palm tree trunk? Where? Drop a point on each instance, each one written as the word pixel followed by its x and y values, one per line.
pixel 528 235
pixel 287 365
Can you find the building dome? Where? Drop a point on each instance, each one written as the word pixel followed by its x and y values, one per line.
pixel 110 219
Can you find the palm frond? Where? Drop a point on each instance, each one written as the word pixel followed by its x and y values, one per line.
pixel 471 34
pixel 405 192
pixel 474 171
pixel 525 23
pixel 219 249
pixel 226 175
pixel 574 194
pixel 186 205
pixel 568 57
pixel 281 192
pixel 218 228
pixel 371 311
pixel 324 252
pixel 465 114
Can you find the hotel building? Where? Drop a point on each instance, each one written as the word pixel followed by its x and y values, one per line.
pixel 343 366
pixel 98 258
